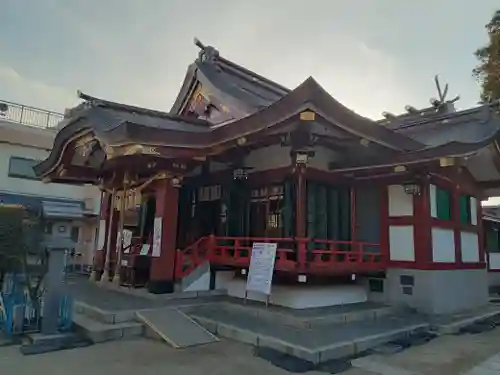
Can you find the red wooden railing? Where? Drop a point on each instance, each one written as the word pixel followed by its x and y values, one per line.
pixel 295 255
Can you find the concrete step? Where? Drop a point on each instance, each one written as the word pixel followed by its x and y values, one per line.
pixel 97 331
pixel 39 343
pixel 306 318
pixel 103 316
pixel 175 328
pixel 316 344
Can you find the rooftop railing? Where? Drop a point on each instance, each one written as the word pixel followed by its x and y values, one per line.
pixel 23 114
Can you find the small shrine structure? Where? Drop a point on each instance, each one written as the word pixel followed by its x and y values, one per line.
pixel 385 210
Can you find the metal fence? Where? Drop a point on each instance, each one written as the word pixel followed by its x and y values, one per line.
pixel 27 115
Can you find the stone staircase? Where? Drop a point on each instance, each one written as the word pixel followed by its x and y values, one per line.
pixel 315 335
pixel 98 325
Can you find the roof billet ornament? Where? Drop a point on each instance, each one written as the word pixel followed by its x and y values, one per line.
pixel 411 109
pixel 207 53
pixel 388 115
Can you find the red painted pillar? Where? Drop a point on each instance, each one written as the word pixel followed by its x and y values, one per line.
pixel 422 224
pixel 480 233
pixel 161 278
pixel 300 212
pixel 384 224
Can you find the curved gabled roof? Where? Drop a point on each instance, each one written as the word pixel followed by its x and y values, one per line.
pixel 258 105
pixel 246 90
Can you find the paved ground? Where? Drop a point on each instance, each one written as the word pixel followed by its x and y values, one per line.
pixel 447 355
pixel 110 300
pixel 144 357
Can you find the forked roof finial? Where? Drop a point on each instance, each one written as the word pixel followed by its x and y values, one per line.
pixel 442 95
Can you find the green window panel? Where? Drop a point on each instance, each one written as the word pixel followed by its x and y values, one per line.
pixel 465 214
pixel 333 214
pixel 345 214
pixel 321 213
pixel 311 210
pixel 328 213
pixel 443 204
pixel 237 200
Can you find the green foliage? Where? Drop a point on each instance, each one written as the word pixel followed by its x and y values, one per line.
pixel 488 71
pixel 11 236
pixel 21 248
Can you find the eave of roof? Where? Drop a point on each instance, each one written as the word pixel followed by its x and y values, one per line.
pixel 467 126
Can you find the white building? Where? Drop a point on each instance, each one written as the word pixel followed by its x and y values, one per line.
pixel 26 137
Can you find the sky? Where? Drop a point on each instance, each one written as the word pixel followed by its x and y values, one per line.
pixel 372 56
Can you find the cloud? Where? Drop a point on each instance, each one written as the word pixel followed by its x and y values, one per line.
pixel 24 90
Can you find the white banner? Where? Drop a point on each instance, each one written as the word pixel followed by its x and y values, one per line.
pixel 260 273
pixel 157 237
pixel 127 240
pixel 101 235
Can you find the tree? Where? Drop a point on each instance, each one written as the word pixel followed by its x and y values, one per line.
pixel 488 71
pixel 22 250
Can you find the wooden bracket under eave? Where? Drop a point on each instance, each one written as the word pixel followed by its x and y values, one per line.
pixel 307 116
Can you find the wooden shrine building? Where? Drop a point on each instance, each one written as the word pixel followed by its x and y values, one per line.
pixel 360 209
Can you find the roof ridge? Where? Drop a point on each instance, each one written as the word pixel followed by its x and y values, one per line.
pixel 400 123
pixel 209 54
pixel 97 102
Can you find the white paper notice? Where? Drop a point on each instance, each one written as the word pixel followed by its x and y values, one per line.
pixel 127 240
pixel 260 273
pixel 157 237
pixel 101 235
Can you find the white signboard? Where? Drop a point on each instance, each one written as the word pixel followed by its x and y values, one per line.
pixel 157 237
pixel 260 273
pixel 101 235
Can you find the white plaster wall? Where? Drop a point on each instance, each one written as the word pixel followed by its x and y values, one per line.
pixel 270 157
pixel 299 297
pixel 443 245
pixel 201 284
pixel 470 247
pixel 400 203
pixel 494 261
pixel 473 211
pixel 401 243
pixel 433 202
pixel 222 278
pixel 38 188
pixel 322 158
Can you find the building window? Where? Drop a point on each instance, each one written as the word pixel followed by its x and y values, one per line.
pixel 443 204
pixel 75 234
pixel 492 240
pixel 209 193
pixel 465 210
pixel 22 168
